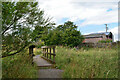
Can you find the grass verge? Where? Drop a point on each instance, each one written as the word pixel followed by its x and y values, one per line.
pixel 18 66
pixel 87 63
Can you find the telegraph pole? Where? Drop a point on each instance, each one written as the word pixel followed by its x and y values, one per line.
pixel 106 27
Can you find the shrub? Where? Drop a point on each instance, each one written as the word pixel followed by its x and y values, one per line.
pixel 105 41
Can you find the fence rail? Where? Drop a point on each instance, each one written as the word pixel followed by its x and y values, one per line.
pixel 47 53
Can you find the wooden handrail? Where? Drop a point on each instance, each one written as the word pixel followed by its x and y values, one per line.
pixel 46 53
pixel 48 46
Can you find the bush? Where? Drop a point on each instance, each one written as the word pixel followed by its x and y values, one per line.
pixel 105 41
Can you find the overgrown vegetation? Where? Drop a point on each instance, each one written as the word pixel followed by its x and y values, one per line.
pixel 87 63
pixel 105 41
pixel 18 66
pixel 24 24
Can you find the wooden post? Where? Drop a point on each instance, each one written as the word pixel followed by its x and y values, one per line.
pixel 31 50
pixel 47 52
pixel 50 53
pixel 54 54
pixel 43 52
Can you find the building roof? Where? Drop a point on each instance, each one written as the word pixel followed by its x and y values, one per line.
pixel 97 35
pixel 102 33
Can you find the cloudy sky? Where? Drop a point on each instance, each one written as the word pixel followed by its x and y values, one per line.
pixel 89 15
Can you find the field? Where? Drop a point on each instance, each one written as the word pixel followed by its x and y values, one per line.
pixel 81 63
pixel 87 63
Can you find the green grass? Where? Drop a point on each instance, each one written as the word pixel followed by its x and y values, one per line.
pixel 82 63
pixel 18 66
pixel 37 51
pixel 87 63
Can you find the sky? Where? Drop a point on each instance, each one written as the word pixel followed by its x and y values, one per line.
pixel 89 15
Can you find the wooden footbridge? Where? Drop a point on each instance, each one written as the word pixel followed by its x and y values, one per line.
pixel 48 57
pixel 46 62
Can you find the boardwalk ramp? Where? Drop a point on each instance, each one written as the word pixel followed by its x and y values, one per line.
pixel 50 72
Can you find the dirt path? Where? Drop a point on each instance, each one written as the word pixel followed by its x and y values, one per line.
pixel 46 73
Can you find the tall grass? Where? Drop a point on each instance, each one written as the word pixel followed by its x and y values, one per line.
pixel 87 63
pixel 18 66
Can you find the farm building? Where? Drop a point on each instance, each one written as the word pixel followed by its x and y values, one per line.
pixel 95 37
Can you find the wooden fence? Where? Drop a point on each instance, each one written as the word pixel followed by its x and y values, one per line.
pixel 48 54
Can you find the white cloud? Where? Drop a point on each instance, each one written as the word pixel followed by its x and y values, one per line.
pixel 102 18
pixel 92 12
pixel 96 0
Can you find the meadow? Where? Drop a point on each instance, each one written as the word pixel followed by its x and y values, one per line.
pixel 87 62
pixel 18 66
pixel 76 63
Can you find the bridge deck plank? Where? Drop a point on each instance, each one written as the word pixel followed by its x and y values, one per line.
pixel 41 62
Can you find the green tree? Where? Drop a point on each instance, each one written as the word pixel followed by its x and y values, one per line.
pixel 72 38
pixel 67 25
pixel 65 34
pixel 20 21
pixel 53 38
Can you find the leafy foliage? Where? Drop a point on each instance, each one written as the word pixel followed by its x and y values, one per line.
pixel 72 38
pixel 105 41
pixel 65 34
pixel 21 24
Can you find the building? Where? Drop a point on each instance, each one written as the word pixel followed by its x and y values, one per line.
pixel 95 37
